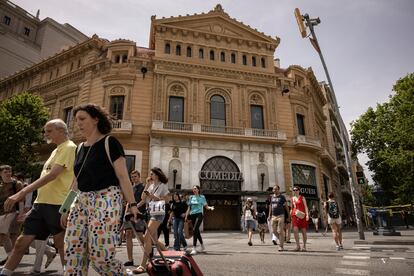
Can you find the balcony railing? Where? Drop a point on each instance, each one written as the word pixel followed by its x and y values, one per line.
pixel 194 128
pixel 122 126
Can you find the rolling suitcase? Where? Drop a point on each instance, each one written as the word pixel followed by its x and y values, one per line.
pixel 169 263
pixel 175 263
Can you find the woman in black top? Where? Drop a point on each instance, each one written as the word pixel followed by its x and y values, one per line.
pixel 102 179
pixel 178 210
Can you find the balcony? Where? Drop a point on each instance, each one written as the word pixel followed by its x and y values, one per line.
pixel 327 158
pixel 180 129
pixel 121 127
pixel 307 143
pixel 342 167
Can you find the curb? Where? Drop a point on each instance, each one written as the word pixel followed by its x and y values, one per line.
pixel 386 242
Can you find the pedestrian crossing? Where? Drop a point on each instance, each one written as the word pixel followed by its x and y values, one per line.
pixel 357 262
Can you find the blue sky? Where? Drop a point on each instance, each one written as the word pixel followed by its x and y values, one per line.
pixel 367 44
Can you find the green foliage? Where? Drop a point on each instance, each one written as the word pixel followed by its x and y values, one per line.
pixel 386 135
pixel 21 121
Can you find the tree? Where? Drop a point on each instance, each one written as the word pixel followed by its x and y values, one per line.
pixel 386 135
pixel 21 121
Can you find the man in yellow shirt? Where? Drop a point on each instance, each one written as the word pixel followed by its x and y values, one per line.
pixel 53 186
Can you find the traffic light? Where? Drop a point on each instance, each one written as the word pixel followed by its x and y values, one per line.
pixel 299 19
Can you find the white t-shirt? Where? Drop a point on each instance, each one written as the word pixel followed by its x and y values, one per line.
pixel 159 190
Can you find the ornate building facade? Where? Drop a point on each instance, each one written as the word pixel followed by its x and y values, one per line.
pixel 207 104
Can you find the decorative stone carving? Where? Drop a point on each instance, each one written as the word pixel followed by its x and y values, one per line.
pixel 176 90
pixel 118 90
pixel 175 152
pixel 256 99
pixel 261 156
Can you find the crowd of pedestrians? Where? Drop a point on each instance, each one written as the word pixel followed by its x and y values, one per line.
pixel 87 202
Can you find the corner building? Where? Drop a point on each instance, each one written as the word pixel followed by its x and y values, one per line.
pixel 206 103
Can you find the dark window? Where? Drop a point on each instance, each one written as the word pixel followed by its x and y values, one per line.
pixel 211 55
pixel 176 109
pixel 71 67
pixel 257 116
pixel 263 62
pixel 57 72
pixel 124 58
pixel 233 58
pixel 79 63
pixel 222 56
pixel 117 59
pixel 254 61
pixel 189 51
pixel 7 20
pixel 130 162
pixel 217 111
pixel 201 53
pixel 178 50
pixel 117 107
pixel 244 60
pixel 68 115
pixel 300 119
pixel 26 31
pixel 167 48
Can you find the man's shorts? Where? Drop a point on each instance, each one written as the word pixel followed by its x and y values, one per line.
pixel 5 221
pixel 42 221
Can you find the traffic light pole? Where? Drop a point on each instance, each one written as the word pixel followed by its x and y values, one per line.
pixel 355 199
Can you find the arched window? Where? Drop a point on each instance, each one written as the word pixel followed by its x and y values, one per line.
pixel 178 50
pixel 244 60
pixel 233 58
pixel 176 109
pixel 300 120
pixel 217 111
pixel 222 57
pixel 167 49
pixel 256 112
pixel 254 61
pixel 211 54
pixel 201 53
pixel 263 61
pixel 189 51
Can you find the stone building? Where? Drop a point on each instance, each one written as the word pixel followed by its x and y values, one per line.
pixel 207 104
pixel 26 40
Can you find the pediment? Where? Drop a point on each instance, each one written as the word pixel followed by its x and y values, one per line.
pixel 216 22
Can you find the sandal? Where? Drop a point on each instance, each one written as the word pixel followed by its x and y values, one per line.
pixel 139 270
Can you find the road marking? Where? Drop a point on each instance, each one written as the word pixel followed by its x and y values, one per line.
pixel 383 260
pixel 356 257
pixel 397 258
pixel 362 247
pixel 359 253
pixel 388 250
pixel 352 271
pixel 355 263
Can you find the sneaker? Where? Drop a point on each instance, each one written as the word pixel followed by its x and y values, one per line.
pixel 50 258
pixel 341 247
pixel 274 242
pixel 250 243
pixel 203 249
pixel 280 249
pixel 129 263
pixel 194 251
pixel 338 248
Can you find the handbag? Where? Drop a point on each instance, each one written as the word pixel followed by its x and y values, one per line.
pixel 188 229
pixel 299 214
pixel 157 208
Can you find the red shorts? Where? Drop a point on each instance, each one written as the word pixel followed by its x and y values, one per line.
pixel 299 223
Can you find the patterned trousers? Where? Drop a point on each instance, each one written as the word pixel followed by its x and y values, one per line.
pixel 92 233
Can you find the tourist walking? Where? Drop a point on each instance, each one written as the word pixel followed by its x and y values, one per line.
pixel 249 213
pixel 52 188
pixel 177 216
pixel 155 194
pixel 262 223
pixel 195 212
pixel 314 214
pixel 94 219
pixel 300 217
pixel 334 220
pixel 277 209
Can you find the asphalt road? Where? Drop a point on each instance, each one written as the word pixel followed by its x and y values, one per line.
pixel 228 254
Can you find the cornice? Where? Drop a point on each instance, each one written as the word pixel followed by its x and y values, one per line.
pixel 61 81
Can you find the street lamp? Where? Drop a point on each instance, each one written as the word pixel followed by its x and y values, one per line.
pixel 310 23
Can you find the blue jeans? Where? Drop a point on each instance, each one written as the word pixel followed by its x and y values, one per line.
pixel 178 226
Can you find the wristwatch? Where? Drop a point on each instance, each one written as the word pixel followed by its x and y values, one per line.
pixel 133 204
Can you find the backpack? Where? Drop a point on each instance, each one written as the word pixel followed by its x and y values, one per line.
pixel 333 210
pixel 261 217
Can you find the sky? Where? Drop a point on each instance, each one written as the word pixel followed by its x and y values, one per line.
pixel 367 44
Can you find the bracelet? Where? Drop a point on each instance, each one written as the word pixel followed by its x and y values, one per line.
pixel 133 204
